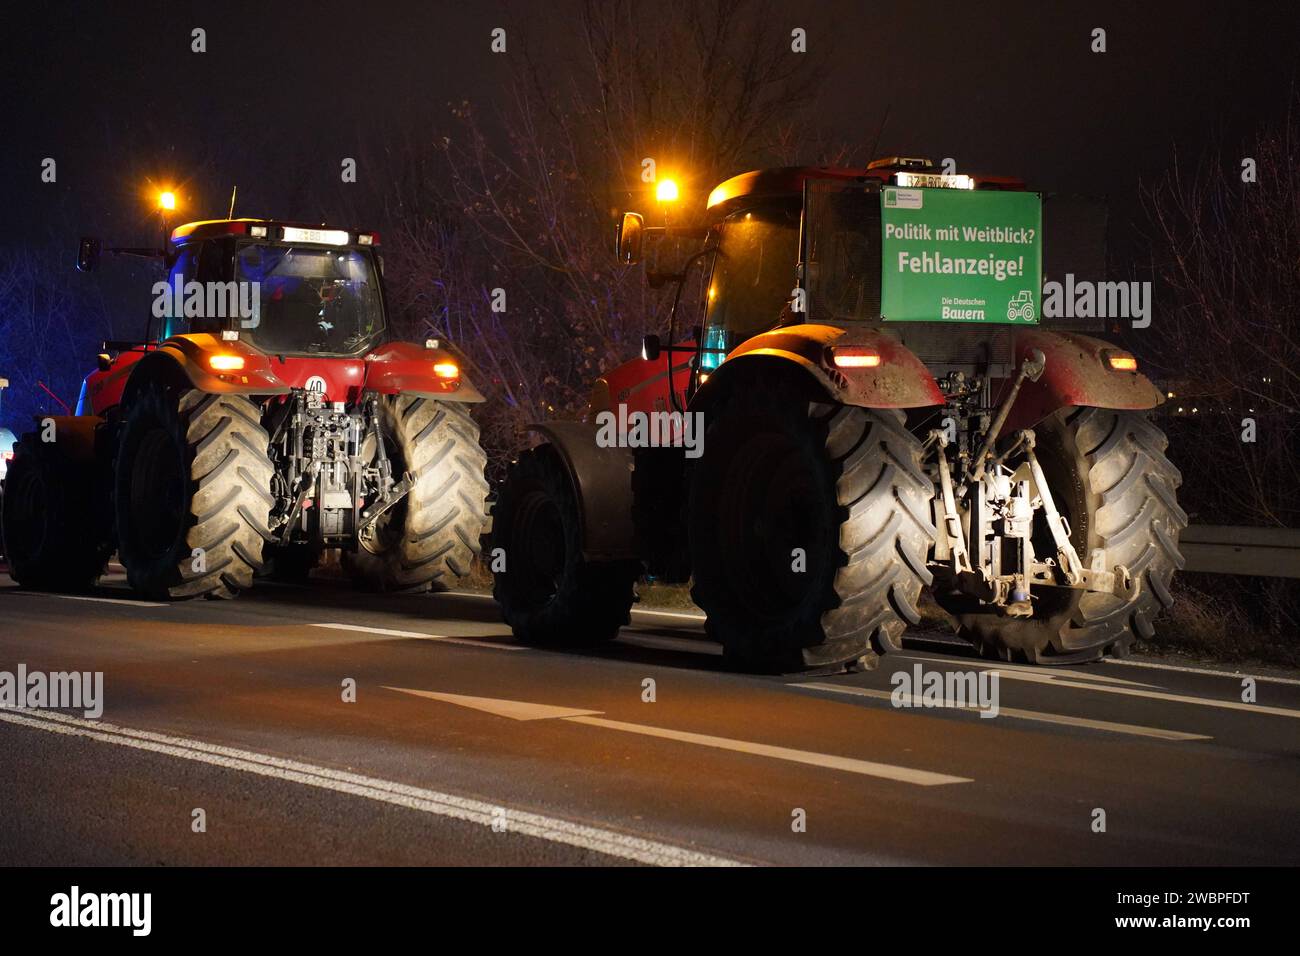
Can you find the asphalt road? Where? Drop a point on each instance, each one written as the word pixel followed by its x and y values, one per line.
pixel 463 748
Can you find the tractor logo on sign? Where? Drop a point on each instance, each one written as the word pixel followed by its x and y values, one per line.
pixel 1021 306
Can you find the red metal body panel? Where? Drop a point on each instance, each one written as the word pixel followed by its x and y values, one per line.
pixel 103 390
pixel 1076 374
pixel 642 385
pixel 901 380
pixel 395 367
pixel 406 367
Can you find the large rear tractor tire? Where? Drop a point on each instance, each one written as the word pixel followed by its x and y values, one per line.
pixel 1110 478
pixel 810 528
pixel 429 539
pixel 192 493
pixel 55 538
pixel 549 594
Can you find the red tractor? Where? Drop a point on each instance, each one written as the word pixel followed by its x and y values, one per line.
pixel 272 417
pixel 853 422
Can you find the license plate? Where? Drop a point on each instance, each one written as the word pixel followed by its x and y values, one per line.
pixel 935 181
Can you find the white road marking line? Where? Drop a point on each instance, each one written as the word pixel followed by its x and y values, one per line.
pixel 523 710
pixel 87 597
pixel 1106 725
pixel 552 829
pixel 1042 673
pixel 1159 695
pixel 635 610
pixel 681 615
pixel 1068 679
pixel 440 638
pixel 663 643
pixel 1208 671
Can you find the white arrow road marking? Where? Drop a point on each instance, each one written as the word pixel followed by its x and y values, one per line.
pixel 521 710
pixel 514 709
pixel 1106 725
pixel 552 829
pixel 440 638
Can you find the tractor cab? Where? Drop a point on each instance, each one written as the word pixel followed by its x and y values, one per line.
pixel 808 246
pixel 286 289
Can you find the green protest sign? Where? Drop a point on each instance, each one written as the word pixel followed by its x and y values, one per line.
pixel 957 255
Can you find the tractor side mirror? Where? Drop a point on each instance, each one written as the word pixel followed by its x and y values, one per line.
pixel 629 237
pixel 650 349
pixel 88 254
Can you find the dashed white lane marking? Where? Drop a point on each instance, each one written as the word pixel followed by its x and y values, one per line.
pixel 526 710
pixel 440 638
pixel 1157 695
pixel 552 829
pixel 1106 725
pixel 1207 671
pixel 1042 673
pixel 87 597
pixel 680 615
pixel 698 618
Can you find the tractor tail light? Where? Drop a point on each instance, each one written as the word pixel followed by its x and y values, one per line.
pixel 226 363
pixel 446 370
pixel 1121 361
pixel 850 356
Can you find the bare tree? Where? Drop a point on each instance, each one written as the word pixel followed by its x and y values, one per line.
pixel 1227 257
pixel 49 332
pixel 704 90
pixel 1229 264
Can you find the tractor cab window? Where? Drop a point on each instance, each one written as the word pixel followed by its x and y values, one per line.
pixel 203 262
pixel 312 301
pixel 182 271
pixel 841 252
pixel 753 275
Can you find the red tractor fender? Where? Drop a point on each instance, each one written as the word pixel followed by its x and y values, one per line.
pixel 396 367
pixel 900 380
pixel 409 369
pixel 183 358
pixel 1077 373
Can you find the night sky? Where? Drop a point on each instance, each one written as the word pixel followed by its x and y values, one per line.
pixel 113 92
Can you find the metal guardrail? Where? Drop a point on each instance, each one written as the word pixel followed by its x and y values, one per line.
pixel 1266 552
